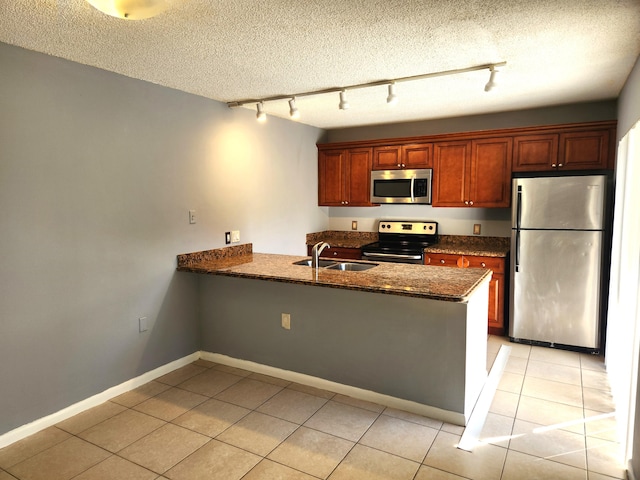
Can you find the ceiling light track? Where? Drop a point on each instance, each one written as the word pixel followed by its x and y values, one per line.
pixel 392 98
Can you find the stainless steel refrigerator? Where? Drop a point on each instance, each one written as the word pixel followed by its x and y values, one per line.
pixel 557 239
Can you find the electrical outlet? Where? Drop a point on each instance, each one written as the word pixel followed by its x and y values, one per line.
pixel 354 224
pixel 227 237
pixel 476 229
pixel 286 321
pixel 192 216
pixel 143 324
pixel 235 236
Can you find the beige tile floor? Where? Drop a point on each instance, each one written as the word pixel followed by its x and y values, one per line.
pixel 551 418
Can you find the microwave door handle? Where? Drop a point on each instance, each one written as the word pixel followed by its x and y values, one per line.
pixel 413 181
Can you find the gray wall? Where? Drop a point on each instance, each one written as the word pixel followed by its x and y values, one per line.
pixel 629 114
pixel 97 174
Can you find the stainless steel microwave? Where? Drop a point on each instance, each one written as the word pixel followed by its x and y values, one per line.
pixel 401 186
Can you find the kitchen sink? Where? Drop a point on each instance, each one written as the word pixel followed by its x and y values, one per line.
pixel 351 267
pixel 321 263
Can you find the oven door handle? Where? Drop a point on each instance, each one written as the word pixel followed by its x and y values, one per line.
pixel 392 255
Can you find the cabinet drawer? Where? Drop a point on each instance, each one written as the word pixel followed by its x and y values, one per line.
pixel 496 264
pixel 339 252
pixel 441 259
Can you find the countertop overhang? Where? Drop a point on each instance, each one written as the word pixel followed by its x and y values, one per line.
pixel 437 283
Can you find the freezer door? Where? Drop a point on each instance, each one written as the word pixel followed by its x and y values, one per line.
pixel 555 290
pixel 572 203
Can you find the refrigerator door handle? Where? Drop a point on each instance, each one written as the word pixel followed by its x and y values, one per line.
pixel 517 264
pixel 518 221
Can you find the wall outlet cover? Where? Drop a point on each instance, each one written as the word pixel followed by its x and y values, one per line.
pixel 354 224
pixel 235 236
pixel 286 321
pixel 192 216
pixel 476 229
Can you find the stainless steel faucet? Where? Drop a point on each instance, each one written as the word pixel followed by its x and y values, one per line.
pixel 316 251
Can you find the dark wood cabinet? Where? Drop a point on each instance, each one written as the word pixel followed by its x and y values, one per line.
pixel 339 252
pixel 470 169
pixel 397 157
pixel 568 150
pixel 475 173
pixel 344 177
pixel 496 311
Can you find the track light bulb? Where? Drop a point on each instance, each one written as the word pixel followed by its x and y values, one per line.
pixel 491 84
pixel 293 110
pixel 392 98
pixel 344 105
pixel 260 115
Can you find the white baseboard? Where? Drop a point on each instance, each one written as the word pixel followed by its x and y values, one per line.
pixel 79 407
pixel 355 392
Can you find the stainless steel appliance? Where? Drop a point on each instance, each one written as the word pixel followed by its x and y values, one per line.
pixel 401 186
pixel 558 227
pixel 401 241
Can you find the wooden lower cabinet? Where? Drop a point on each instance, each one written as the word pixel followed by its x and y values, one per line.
pixel 339 252
pixel 497 265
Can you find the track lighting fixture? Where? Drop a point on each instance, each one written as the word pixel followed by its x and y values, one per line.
pixel 260 115
pixel 491 84
pixel 293 110
pixel 391 85
pixel 343 105
pixel 392 98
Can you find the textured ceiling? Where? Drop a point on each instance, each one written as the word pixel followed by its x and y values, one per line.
pixel 557 51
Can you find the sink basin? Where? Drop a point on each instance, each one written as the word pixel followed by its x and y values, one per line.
pixel 351 267
pixel 321 263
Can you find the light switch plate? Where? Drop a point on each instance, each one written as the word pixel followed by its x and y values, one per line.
pixel 227 237
pixel 192 216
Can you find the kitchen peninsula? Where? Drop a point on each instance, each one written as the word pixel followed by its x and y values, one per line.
pixel 409 336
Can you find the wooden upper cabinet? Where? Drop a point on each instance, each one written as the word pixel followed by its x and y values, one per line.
pixel 535 153
pixel 397 157
pixel 451 162
pixel 343 177
pixel 578 150
pixel 584 150
pixel 474 173
pixel 490 172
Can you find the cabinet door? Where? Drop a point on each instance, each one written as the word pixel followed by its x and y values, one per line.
pixel 450 173
pixel 496 304
pixel 584 150
pixel 358 177
pixel 387 158
pixel 490 184
pixel 417 155
pixel 535 153
pixel 331 177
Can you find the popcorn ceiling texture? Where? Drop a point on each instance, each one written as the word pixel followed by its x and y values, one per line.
pixel 557 52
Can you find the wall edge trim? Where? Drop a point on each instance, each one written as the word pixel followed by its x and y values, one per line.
pixel 355 392
pixel 24 431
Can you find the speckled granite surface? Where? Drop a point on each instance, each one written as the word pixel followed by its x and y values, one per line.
pixel 454 244
pixel 468 245
pixel 343 239
pixel 438 283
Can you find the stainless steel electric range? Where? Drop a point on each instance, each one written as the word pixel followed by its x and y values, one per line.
pixel 401 241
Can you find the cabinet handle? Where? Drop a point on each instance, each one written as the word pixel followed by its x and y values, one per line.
pixel 335 253
pixel 399 165
pixel 553 165
pixel 466 202
pixel 483 264
pixel 559 165
pixel 471 202
pixel 403 165
pixel 441 261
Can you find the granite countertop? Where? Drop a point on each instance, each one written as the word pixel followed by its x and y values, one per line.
pixel 453 244
pixel 342 239
pixel 467 245
pixel 438 283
